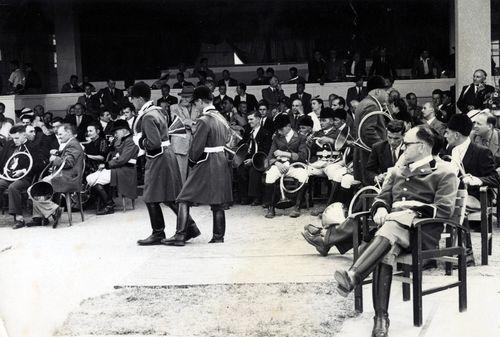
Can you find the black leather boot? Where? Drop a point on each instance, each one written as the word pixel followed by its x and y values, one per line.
pixel 295 213
pixel 192 230
pixel 271 191
pixel 219 226
pixel 382 282
pixel 179 238
pixel 363 266
pixel 157 223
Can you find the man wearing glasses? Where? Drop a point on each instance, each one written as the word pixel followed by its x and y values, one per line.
pixel 421 187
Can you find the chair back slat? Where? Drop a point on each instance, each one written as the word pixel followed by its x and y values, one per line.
pixel 460 206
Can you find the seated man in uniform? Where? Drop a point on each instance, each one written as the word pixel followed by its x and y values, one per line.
pixel 250 184
pixel 420 188
pixel 119 171
pixel 69 179
pixel 287 147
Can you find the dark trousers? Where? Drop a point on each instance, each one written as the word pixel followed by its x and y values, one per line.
pixel 15 190
pixel 249 182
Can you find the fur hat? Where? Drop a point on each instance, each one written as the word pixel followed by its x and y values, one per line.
pixel 203 93
pixel 306 121
pixel 340 113
pixel 327 113
pixel 141 89
pixel 460 123
pixel 281 121
pixel 120 124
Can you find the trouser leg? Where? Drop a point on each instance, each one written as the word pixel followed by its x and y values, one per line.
pixel 15 191
pixel 219 224
pixel 192 230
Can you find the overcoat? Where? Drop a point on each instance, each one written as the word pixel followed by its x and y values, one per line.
pixel 209 180
pixel 70 178
pixel 123 170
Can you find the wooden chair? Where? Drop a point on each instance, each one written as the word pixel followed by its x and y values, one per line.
pixel 124 203
pixel 412 262
pixel 485 217
pixel 67 197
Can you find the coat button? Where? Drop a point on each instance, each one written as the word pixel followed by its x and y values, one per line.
pixel 405 189
pixel 407 179
pixel 403 199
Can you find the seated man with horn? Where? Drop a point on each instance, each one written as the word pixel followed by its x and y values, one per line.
pixel 68 166
pixel 288 147
pixel 250 172
pixel 119 171
pixel 20 161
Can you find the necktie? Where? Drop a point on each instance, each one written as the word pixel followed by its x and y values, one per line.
pixel 394 156
pixel 78 120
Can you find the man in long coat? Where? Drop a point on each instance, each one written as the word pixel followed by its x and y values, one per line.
pixel 209 181
pixel 162 179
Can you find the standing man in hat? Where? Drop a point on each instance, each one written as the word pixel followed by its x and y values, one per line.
pixel 373 128
pixel 181 142
pixel 288 147
pixel 162 180
pixel 209 180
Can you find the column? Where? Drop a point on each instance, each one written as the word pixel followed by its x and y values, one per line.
pixel 67 42
pixel 472 40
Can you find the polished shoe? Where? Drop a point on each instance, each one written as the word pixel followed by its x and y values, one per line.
pixel 317 212
pixel 106 210
pixel 176 240
pixel 57 215
pixel 216 240
pixel 270 213
pixel 153 239
pixel 380 326
pixel 295 213
pixel 345 284
pixel 18 224
pixel 37 222
pixel 317 241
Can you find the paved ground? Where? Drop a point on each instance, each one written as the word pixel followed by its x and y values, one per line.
pixel 46 273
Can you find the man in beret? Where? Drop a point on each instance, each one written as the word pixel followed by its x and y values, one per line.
pixel 209 180
pixel 373 128
pixel 478 164
pixel 162 180
pixel 287 147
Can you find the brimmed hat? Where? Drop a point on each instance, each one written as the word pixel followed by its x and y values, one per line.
pixel 202 93
pixel 377 82
pixel 306 121
pixel 187 91
pixel 327 113
pixel 281 120
pixel 120 124
pixel 460 123
pixel 340 113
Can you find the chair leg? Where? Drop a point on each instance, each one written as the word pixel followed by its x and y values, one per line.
pixel 462 278
pixel 484 239
pixel 81 205
pixel 133 203
pixel 406 286
pixel 67 196
pixel 124 203
pixel 416 271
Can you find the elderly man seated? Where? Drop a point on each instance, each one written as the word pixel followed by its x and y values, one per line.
pixel 420 188
pixel 486 134
pixel 287 147
pixel 119 171
pixel 70 156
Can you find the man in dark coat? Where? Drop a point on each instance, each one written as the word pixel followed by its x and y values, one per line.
pixel 209 181
pixel 243 96
pixel 162 180
pixel 166 97
pixel 303 96
pixel 90 101
pixel 473 96
pixel 273 94
pixel 80 121
pixel 111 98
pixel 420 188
pixel 358 92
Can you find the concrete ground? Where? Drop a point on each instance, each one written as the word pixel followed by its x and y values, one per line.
pixel 45 273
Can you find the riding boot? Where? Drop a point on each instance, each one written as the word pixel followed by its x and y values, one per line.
pixel 192 230
pixel 271 192
pixel 179 239
pixel 157 224
pixel 295 213
pixel 108 206
pixel 363 266
pixel 382 283
pixel 219 226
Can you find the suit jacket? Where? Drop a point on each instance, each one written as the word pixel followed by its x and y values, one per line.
pixel 380 159
pixel 34 150
pixel 181 144
pixel 232 82
pixel 315 148
pixel 108 128
pixel 269 125
pixel 352 93
pixel 82 128
pixel 418 68
pixel 306 100
pixel 263 140
pixel 112 102
pixel 493 144
pixel 359 68
pixel 91 104
pixel 70 178
pixel 123 170
pixel 171 100
pixel 438 126
pixel 297 147
pixel 383 68
pixel 217 102
pixel 469 97
pixel 272 97
pixel 335 71
pixel 250 99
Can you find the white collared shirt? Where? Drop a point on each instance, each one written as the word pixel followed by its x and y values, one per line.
pixel 63 145
pixel 210 107
pixel 103 124
pixel 415 165
pixel 289 136
pixel 255 131
pixel 458 152
pixel 431 120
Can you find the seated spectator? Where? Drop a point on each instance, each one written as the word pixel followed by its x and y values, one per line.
pixel 335 69
pixel 273 94
pixel 338 103
pixel 296 113
pixel 317 68
pixel 80 120
pixel 316 107
pixel 227 79
pixel 239 116
pixel 242 96
pixel 266 117
pixel 128 114
pixel 356 67
pixel 18 142
pixel 486 134
pixel 47 117
pixel 202 67
pixel 119 171
pixel 96 148
pixel 85 82
pixel 71 86
pixel 303 96
pixel 250 187
pixel 295 77
pixel 111 98
pixel 399 111
pixel 228 109
pixel 382 66
pixel 17 78
pixel 269 73
pixel 331 97
pixel 105 122
pixel 429 117
pixel 181 82
pixel 473 96
pixel 431 193
pixel 166 97
pixel 306 126
pixel 414 109
pixel 284 107
pixel 425 66
pixel 358 92
pixel 71 153
pixel 477 161
pixel 386 153
pixel 447 109
pixel 33 83
pixel 219 100
pixel 89 101
pixel 287 147
pixel 202 78
pixel 261 79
